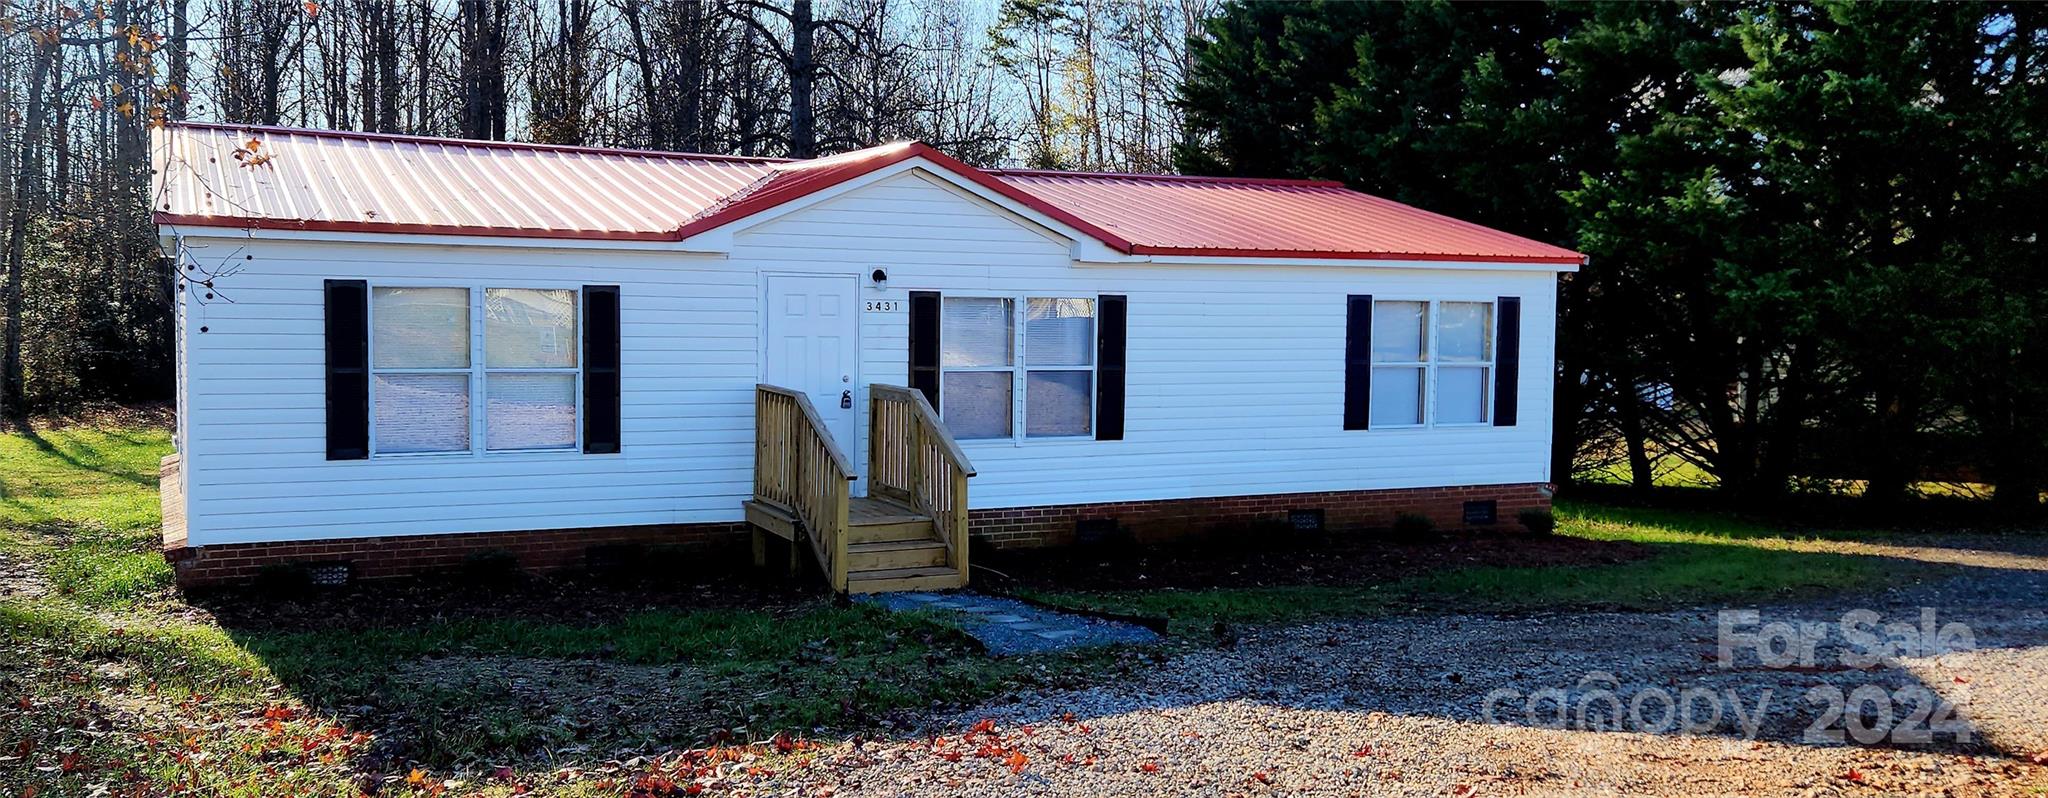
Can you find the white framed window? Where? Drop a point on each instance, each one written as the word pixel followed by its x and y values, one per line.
pixel 1017 367
pixel 1432 363
pixel 435 350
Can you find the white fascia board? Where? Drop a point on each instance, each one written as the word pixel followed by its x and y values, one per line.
pixel 721 236
pixel 1119 259
pixel 518 242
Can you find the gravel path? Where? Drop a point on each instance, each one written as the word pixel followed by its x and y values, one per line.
pixel 1409 706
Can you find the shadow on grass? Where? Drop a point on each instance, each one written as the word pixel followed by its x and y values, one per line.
pixel 450 671
pixel 79 454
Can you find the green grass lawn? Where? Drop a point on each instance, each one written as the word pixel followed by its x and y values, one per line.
pixel 83 500
pixel 112 679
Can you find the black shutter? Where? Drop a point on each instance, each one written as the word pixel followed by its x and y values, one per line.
pixel 1109 367
pixel 924 344
pixel 1358 362
pixel 601 369
pixel 1507 360
pixel 348 369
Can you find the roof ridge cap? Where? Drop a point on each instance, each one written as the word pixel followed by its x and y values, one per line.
pixel 478 143
pixel 1268 181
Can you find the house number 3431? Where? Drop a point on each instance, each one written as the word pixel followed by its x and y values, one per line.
pixel 884 305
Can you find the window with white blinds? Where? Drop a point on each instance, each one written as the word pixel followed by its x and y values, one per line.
pixel 1432 363
pixel 1017 366
pixel 434 349
pixel 530 369
pixel 420 354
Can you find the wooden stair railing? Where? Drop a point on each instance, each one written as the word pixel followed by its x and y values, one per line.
pixel 912 459
pixel 800 470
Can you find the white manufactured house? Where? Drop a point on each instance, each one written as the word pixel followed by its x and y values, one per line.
pixel 397 351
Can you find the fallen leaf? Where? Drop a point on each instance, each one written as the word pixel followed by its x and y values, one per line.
pixel 1854 775
pixel 1149 767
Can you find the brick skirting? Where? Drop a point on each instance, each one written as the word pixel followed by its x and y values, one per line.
pixel 1168 519
pixel 1013 527
pixel 407 555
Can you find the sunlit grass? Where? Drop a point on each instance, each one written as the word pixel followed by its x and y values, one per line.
pixel 82 475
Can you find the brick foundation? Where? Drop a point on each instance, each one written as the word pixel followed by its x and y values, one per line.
pixel 1169 519
pixel 407 555
pixel 1014 527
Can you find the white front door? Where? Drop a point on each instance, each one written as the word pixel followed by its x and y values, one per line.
pixel 813 346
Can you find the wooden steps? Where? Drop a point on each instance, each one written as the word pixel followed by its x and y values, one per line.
pixel 890 547
pixel 895 554
pixel 910 533
pixel 890 580
pixel 893 547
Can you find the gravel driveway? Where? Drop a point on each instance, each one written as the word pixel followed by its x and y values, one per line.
pixel 1441 706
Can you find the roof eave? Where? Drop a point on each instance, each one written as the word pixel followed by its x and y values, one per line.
pixel 1567 258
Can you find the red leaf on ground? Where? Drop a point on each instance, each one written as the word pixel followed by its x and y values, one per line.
pixel 984 726
pixel 1854 775
pixel 1017 760
pixel 1464 791
pixel 1263 777
pixel 1363 751
pixel 1149 767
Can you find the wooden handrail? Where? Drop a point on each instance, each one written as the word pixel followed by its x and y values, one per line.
pixel 913 459
pixel 810 411
pixel 950 447
pixel 800 468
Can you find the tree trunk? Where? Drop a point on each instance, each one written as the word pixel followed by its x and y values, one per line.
pixel 803 138
pixel 181 59
pixel 28 172
pixel 1628 407
pixel 387 68
pixel 422 55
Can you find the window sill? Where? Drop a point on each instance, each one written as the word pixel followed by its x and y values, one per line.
pixel 1063 440
pixel 507 454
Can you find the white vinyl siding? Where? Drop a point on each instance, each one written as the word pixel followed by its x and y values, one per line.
pixel 1231 385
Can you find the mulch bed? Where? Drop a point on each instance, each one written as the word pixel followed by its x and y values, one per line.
pixel 1342 558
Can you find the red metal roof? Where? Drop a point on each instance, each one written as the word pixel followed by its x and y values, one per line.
pixel 365 182
pixel 361 182
pixel 1234 217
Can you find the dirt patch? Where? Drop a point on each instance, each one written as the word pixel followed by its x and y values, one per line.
pixel 521 708
pixel 1286 558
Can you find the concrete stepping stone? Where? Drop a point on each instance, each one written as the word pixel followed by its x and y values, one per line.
pixel 1007 626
